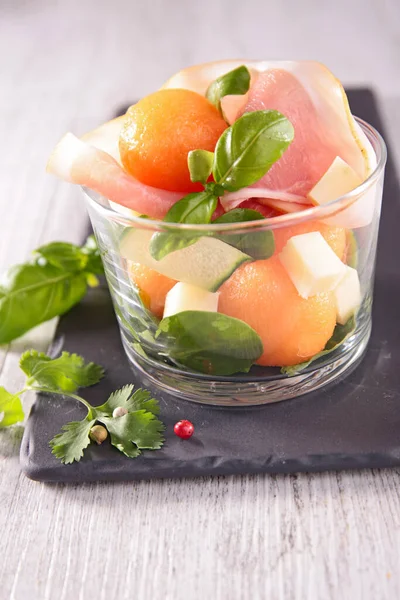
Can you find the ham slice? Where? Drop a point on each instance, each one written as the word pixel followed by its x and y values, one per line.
pixel 315 103
pixel 78 162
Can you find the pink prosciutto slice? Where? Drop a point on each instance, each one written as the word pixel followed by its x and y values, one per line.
pixel 282 206
pixel 315 103
pixel 267 211
pixel 233 199
pixel 321 133
pixel 78 162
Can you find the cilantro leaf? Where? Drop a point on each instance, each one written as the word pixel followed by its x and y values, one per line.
pixel 138 430
pixel 135 431
pixel 11 407
pixel 140 400
pixel 66 373
pixel 69 445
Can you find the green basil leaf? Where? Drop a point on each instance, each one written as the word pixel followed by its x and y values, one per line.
pixel 33 293
pixel 62 255
pixel 200 164
pixel 257 244
pixel 340 334
pixel 71 258
pixel 194 208
pixel 209 342
pixel 249 148
pixel 234 83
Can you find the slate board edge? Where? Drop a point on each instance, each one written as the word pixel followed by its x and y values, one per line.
pixel 186 469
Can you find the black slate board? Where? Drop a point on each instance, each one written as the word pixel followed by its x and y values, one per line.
pixel 353 424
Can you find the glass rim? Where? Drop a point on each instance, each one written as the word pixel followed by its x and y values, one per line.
pixel 324 211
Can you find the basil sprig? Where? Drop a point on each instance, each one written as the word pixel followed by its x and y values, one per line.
pixel 234 83
pixel 49 285
pixel 243 154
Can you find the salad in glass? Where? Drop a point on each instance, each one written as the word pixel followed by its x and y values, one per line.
pixel 236 210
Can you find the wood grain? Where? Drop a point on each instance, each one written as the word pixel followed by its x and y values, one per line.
pixel 68 66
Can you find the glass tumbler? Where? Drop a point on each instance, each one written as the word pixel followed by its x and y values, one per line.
pixel 265 343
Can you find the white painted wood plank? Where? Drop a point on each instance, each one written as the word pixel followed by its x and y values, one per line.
pixel 69 65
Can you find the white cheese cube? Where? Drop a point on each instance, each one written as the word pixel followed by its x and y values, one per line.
pixel 311 264
pixel 347 296
pixel 184 296
pixel 338 180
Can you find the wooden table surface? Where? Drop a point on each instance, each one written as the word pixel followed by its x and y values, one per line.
pixel 68 66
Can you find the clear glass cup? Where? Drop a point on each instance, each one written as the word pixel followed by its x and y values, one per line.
pixel 160 358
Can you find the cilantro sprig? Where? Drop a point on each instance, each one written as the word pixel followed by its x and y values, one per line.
pixel 128 417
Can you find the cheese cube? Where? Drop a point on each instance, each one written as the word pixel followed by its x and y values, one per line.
pixel 338 180
pixel 184 296
pixel 347 296
pixel 311 264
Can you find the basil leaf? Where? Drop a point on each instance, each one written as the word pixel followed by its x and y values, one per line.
pixel 200 164
pixel 47 287
pixel 34 293
pixel 234 83
pixel 194 208
pixel 209 342
pixel 64 256
pixel 257 244
pixel 249 148
pixel 70 257
pixel 340 334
